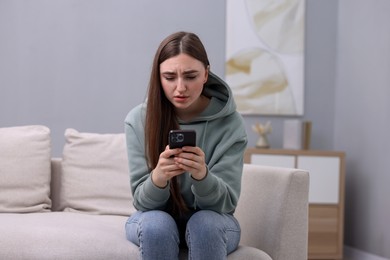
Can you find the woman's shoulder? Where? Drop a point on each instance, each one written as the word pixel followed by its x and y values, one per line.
pixel 136 115
pixel 236 119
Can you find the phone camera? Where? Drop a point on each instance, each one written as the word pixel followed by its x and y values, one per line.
pixel 178 138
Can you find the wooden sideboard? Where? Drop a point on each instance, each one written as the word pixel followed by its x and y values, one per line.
pixel 326 194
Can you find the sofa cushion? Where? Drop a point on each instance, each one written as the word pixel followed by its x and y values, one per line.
pixel 25 169
pixel 66 235
pixel 95 176
pixel 63 236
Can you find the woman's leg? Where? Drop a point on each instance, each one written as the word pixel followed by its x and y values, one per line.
pixel 211 235
pixel 156 234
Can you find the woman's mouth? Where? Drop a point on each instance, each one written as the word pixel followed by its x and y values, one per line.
pixel 180 99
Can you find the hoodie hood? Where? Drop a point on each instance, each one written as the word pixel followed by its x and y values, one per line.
pixel 221 104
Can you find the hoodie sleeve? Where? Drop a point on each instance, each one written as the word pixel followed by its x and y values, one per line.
pixel 221 188
pixel 147 196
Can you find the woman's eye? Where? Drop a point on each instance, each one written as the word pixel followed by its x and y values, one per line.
pixel 169 78
pixel 191 77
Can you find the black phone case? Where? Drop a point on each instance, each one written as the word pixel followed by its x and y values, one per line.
pixel 180 138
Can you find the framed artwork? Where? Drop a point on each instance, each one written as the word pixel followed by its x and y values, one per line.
pixel 265 55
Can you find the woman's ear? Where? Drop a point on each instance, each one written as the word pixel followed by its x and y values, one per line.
pixel 206 73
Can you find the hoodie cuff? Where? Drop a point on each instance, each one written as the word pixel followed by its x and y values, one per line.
pixel 204 186
pixel 154 192
pixel 207 173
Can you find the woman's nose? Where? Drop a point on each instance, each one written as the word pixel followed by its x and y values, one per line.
pixel 181 87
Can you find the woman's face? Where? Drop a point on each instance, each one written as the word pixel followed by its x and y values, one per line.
pixel 182 78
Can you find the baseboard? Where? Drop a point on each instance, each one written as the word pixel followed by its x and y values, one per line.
pixel 351 253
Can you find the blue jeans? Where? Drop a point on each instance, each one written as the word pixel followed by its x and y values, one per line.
pixel 208 235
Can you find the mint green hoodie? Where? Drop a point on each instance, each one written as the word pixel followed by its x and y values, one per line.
pixel 220 134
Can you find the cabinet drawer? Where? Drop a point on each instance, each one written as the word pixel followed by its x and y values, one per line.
pixel 324 178
pixel 324 232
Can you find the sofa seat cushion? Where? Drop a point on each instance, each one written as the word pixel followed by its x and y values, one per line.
pixel 68 235
pixel 242 253
pixel 247 252
pixel 64 235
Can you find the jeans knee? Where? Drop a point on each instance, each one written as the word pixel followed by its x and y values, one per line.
pixel 159 225
pixel 211 235
pixel 208 218
pixel 156 234
pixel 151 225
pixel 206 223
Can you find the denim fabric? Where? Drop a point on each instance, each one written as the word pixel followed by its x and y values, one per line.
pixel 208 235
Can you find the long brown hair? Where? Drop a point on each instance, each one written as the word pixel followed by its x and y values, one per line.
pixel 160 113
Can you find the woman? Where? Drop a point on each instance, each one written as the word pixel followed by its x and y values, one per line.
pixel 185 197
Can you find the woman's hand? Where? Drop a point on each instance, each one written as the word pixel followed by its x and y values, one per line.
pixel 166 167
pixel 192 160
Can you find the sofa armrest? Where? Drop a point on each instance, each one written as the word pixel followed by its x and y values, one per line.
pixel 55 183
pixel 273 211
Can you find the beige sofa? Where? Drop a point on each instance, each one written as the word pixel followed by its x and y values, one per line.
pixel 75 207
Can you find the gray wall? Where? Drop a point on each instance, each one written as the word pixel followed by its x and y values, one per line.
pixel 362 120
pixel 85 64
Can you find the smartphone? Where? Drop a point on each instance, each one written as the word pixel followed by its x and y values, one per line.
pixel 180 138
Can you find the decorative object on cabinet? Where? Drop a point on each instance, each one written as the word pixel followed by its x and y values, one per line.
pixel 296 134
pixel 292 134
pixel 306 135
pixel 326 194
pixel 262 131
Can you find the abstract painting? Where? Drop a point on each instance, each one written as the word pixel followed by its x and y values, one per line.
pixel 265 55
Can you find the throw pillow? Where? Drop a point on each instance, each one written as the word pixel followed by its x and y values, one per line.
pixel 25 153
pixel 95 175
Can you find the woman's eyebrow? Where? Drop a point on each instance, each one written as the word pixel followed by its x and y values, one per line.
pixel 190 71
pixel 168 73
pixel 174 73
